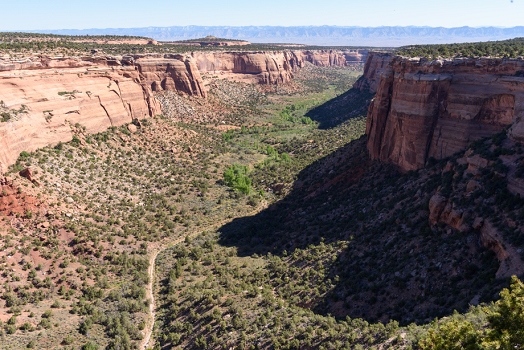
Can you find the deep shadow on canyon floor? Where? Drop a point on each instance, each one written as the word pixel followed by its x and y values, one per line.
pixel 341 108
pixel 396 266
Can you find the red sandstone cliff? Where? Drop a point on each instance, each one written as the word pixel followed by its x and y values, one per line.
pixel 52 94
pixel 426 109
pixel 267 67
pixel 275 67
pixel 330 58
pixel 376 63
pixel 174 73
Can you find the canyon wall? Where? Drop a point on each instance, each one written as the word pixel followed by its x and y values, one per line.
pixel 330 58
pixel 425 109
pixel 173 73
pixel 265 67
pixel 376 63
pixel 275 67
pixel 43 98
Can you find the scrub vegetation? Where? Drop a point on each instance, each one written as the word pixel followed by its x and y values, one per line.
pixel 273 228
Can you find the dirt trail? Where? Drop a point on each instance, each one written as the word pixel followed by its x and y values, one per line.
pixel 148 331
pixel 150 295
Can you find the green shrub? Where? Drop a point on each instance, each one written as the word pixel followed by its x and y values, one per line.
pixel 236 177
pixel 68 340
pixel 12 320
pixel 75 141
pixel 504 330
pixel 5 117
pixel 90 346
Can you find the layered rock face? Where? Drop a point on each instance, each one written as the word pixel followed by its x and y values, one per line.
pixel 376 63
pixel 273 67
pixel 268 67
pixel 425 109
pixel 39 105
pixel 173 73
pixel 330 58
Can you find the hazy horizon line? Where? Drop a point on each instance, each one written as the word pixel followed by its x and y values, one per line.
pixel 258 26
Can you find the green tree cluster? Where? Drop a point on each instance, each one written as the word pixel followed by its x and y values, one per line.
pixel 504 328
pixel 512 48
pixel 236 177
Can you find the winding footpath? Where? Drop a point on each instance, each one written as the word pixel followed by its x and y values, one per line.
pixel 148 330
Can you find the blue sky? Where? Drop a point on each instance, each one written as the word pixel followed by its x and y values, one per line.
pixel 73 14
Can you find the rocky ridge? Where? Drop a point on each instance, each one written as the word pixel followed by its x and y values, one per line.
pixel 275 67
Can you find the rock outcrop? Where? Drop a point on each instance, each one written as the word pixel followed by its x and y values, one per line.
pixel 275 67
pixel 172 73
pixel 442 210
pixel 510 261
pixel 425 109
pixel 14 201
pixel 267 67
pixel 27 173
pixel 330 58
pixel 376 63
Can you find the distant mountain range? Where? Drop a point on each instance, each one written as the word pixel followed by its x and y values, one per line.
pixel 315 35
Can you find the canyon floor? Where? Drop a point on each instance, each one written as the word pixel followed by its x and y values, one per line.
pixel 78 230
pixel 271 227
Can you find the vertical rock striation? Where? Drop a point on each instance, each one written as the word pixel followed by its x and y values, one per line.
pixel 425 109
pixel 273 67
pixel 40 105
pixel 266 67
pixel 173 72
pixel 376 64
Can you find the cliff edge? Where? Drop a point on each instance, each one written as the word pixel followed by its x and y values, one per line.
pixel 43 98
pixel 425 109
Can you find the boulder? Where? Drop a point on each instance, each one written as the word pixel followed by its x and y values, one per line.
pixel 27 173
pixel 472 185
pixel 132 128
pixel 476 163
pixel 437 204
pixel 478 223
pixel 442 210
